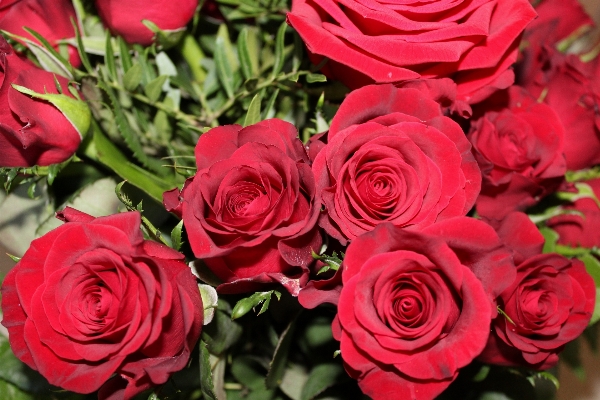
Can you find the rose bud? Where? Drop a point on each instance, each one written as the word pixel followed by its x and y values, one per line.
pixel 250 211
pixel 38 125
pixel 518 144
pixel 94 306
pixel 49 18
pixel 124 17
pixel 472 42
pixel 392 156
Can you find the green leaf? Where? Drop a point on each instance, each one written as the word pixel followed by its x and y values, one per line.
pixel 176 236
pixel 225 60
pixel 221 333
pixel 544 375
pixel 269 111
pixel 279 361
pixel 81 49
pixel 130 137
pixel 248 51
pixel 206 378
pixel 311 78
pixel 14 371
pixel 243 306
pixel 109 58
pixel 47 59
pixel 153 89
pixel 483 373
pixel 248 371
pixel 133 77
pixel 8 391
pixel 102 149
pixel 14 258
pixel 279 49
pixel 321 377
pixel 253 114
pixel 331 262
pixel 584 191
pixel 550 239
pixel 126 60
pixel 210 301
pixel 293 380
pixel 592 266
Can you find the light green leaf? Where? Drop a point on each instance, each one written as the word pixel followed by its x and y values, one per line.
pixel 310 78
pixel 47 60
pixel 279 361
pixel 176 236
pixel 321 377
pixel 248 51
pixel 133 77
pixel 102 149
pixel 154 88
pixel 210 301
pixel 225 60
pixel 279 49
pixel 206 378
pixel 109 57
pixel 253 114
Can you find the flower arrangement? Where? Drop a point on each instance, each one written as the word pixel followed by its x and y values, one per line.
pixel 305 199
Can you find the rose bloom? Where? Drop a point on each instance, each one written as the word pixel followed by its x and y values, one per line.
pixel 472 42
pixel 92 305
pixel 549 304
pixel 415 306
pixel 580 229
pixel 250 211
pixel 32 131
pixel 391 155
pixel 124 17
pixel 518 144
pixel 49 18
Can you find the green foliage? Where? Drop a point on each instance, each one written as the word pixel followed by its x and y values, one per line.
pixel 245 305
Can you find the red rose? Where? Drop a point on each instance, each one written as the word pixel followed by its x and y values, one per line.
pixel 415 305
pixel 392 156
pixel 549 304
pixel 251 209
pixel 571 88
pixel 49 18
pixel 557 21
pixel 473 42
pixel 32 131
pixel 124 17
pixel 518 144
pixel 580 229
pixel 92 299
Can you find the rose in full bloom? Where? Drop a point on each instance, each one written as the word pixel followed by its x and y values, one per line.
pixel 549 304
pixel 32 131
pixel 92 305
pixel 581 228
pixel 518 144
pixel 415 306
pixel 49 18
pixel 391 155
pixel 250 211
pixel 472 42
pixel 124 17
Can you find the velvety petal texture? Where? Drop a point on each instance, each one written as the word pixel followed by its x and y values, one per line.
pixel 415 305
pixel 549 303
pixel 471 41
pixel 32 131
pixel 392 156
pixel 92 305
pixel 518 144
pixel 49 18
pixel 250 211
pixel 124 17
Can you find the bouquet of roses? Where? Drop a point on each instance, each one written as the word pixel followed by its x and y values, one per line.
pixel 315 199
